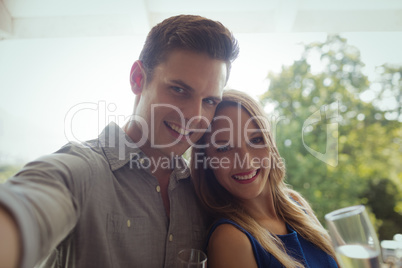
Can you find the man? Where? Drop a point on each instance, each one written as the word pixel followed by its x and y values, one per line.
pixel 126 199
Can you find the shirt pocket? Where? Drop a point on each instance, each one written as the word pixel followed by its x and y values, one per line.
pixel 123 229
pixel 129 240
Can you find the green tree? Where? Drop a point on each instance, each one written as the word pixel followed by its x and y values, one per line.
pixel 386 191
pixel 334 144
pixel 388 91
pixel 6 171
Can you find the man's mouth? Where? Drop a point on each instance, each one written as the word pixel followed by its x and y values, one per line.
pixel 178 129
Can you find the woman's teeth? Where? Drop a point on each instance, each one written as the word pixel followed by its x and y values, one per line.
pixel 245 177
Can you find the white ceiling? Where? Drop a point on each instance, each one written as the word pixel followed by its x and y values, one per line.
pixel 78 18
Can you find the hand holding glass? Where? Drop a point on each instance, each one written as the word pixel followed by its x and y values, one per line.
pixel 354 238
pixel 192 258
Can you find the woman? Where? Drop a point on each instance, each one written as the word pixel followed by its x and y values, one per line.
pixel 239 176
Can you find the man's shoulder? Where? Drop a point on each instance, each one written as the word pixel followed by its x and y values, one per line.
pixel 89 149
pixel 74 156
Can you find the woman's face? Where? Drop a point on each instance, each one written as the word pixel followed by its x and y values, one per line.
pixel 237 153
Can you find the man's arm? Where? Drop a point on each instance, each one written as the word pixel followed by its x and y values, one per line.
pixel 10 243
pixel 40 205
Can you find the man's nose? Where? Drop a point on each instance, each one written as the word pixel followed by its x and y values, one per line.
pixel 194 111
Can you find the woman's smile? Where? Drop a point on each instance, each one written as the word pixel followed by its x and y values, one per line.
pixel 246 177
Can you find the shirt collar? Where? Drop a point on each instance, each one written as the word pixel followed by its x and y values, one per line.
pixel 119 149
pixel 181 169
pixel 118 146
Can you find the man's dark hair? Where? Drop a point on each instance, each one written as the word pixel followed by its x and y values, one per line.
pixel 188 32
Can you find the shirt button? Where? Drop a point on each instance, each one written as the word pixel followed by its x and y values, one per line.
pixel 170 238
pixel 158 189
pixel 128 223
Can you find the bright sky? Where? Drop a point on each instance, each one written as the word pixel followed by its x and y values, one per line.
pixel 47 85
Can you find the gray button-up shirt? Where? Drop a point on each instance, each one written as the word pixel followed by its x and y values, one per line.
pixel 97 205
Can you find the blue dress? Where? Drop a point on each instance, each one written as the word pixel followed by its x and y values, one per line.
pixel 298 247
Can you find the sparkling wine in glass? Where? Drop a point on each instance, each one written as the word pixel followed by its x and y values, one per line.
pixel 192 258
pixel 354 238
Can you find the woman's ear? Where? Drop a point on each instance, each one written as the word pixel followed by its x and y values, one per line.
pixel 137 77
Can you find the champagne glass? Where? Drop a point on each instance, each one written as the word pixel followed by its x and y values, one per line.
pixel 192 258
pixel 354 238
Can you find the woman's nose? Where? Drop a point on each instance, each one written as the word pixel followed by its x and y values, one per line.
pixel 245 158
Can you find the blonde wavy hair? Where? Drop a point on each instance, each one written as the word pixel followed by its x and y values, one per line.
pixel 289 205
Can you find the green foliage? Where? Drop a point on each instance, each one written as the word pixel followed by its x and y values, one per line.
pixel 334 144
pixel 383 193
pixel 6 171
pixel 388 89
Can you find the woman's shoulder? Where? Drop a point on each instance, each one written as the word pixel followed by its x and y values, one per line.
pixel 228 231
pixel 229 247
pixel 225 231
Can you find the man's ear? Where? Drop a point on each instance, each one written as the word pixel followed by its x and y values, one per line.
pixel 137 77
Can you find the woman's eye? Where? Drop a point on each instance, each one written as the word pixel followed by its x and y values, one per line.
pixel 223 148
pixel 257 140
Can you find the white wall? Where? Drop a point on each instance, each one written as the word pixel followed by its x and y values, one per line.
pixel 43 80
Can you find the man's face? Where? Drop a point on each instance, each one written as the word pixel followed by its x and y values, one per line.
pixel 179 102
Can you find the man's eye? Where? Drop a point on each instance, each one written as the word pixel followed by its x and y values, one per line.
pixel 223 149
pixel 210 101
pixel 178 89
